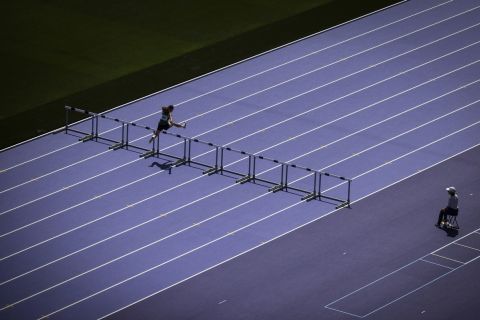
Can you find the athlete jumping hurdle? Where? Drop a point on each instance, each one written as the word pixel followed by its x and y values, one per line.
pixel 166 122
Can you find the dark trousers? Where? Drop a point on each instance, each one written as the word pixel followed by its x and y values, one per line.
pixel 442 216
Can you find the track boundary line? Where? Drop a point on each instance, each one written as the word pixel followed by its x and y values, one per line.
pixel 345 159
pixel 435 263
pixel 431 80
pixel 225 235
pixel 288 232
pixel 234 64
pixel 409 264
pixel 281 235
pixel 148 221
pixel 290 98
pixel 95 220
pixel 264 53
pixel 469 247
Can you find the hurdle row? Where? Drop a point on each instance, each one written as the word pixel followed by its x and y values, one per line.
pixel 315 192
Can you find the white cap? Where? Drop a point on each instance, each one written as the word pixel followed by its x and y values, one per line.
pixel 451 190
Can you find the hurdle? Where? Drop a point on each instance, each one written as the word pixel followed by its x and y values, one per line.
pixel 315 190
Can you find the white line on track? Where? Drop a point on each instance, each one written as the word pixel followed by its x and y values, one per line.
pixel 235 231
pixel 434 263
pixel 94 198
pixel 447 258
pixel 410 292
pixel 469 247
pixel 421 287
pixel 405 266
pixel 212 217
pixel 347 58
pixel 396 136
pixel 322 169
pixel 228 67
pixel 146 199
pixel 53 172
pixel 252 114
pixel 250 77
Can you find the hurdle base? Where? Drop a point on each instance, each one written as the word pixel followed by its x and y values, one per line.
pixel 245 179
pixel 310 197
pixel 277 188
pixel 345 204
pixel 117 146
pixel 147 154
pixel 87 138
pixel 179 162
pixel 212 171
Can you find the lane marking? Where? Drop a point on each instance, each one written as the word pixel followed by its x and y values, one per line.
pixel 462 245
pixel 116 211
pixel 438 255
pixel 419 288
pixel 223 212
pixel 409 264
pixel 290 231
pixel 269 88
pixel 247 78
pixel 338 310
pixel 271 106
pixel 434 263
pixel 210 242
pixel 205 244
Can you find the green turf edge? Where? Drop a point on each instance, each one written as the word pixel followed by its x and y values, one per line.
pixel 50 116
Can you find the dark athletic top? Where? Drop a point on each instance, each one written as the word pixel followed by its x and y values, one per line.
pixel 165 116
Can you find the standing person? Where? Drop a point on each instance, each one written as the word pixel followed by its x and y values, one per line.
pixel 450 209
pixel 166 122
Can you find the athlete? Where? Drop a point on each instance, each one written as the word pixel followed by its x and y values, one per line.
pixel 166 122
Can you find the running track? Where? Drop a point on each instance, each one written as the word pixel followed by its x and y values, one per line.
pixel 391 100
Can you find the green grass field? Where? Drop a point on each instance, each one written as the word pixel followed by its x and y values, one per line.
pixel 56 48
pixel 107 52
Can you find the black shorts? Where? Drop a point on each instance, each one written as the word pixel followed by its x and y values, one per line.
pixel 451 212
pixel 163 126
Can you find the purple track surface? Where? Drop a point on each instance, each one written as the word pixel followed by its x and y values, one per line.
pixel 390 100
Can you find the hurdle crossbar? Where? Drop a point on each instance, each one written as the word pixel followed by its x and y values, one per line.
pixel 313 193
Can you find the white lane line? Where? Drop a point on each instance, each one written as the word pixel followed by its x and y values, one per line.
pixel 96 220
pixel 397 136
pixel 66 188
pixel 352 93
pixel 76 228
pixel 421 148
pixel 207 244
pixel 337 310
pixel 324 49
pixel 352 56
pixel 256 74
pixel 228 234
pixel 322 169
pixel 434 263
pixel 420 287
pixel 40 156
pixel 276 104
pixel 251 76
pixel 410 263
pixel 53 172
pixel 465 246
pixel 293 230
pixel 438 255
